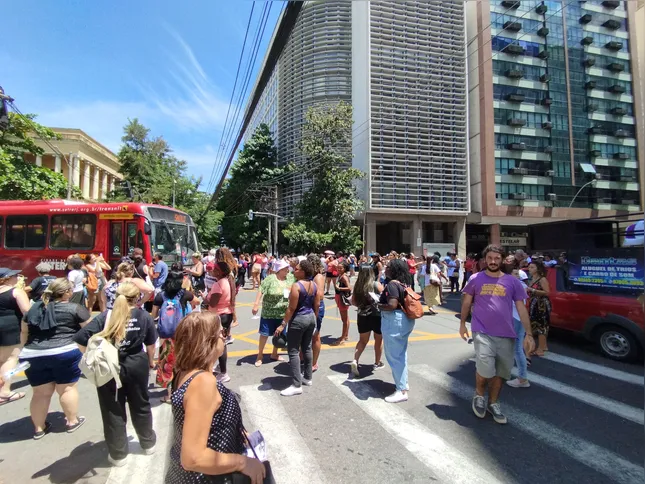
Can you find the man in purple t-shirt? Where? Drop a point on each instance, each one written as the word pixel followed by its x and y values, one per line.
pixel 491 295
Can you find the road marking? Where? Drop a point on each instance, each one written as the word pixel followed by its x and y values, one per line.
pixel 607 404
pixel 291 460
pixel 606 462
pixel 150 469
pixel 594 368
pixel 447 463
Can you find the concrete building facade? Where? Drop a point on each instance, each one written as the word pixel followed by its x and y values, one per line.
pixel 92 167
pixel 402 67
pixel 555 114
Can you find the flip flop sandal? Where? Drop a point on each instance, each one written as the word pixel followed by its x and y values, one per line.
pixel 258 363
pixel 279 359
pixel 11 398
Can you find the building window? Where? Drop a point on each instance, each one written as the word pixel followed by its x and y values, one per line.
pixel 73 232
pixel 26 232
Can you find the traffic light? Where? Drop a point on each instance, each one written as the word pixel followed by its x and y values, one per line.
pixel 250 214
pixel 126 186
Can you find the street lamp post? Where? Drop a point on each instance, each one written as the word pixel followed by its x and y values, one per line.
pixel 581 188
pixel 174 183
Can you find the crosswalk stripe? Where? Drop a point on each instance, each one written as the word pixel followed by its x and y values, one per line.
pixel 150 469
pixel 607 404
pixel 608 463
pixel 448 464
pixel 291 460
pixel 594 368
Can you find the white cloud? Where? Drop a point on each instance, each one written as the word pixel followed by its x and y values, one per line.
pixel 190 100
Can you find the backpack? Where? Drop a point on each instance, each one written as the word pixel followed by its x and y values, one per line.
pixel 92 283
pixel 411 303
pixel 100 362
pixel 170 314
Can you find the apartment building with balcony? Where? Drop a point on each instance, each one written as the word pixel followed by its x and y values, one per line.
pixel 560 81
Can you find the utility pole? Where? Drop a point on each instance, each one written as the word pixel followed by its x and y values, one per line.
pixel 275 221
pixel 269 244
pixel 174 183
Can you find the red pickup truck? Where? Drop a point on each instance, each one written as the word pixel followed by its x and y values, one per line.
pixel 616 323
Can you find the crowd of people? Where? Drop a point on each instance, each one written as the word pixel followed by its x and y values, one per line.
pixel 178 322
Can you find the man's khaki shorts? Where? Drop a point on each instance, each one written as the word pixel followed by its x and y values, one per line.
pixel 494 355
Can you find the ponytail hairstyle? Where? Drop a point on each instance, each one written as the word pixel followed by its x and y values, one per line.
pixel 127 295
pixel 125 269
pixel 56 290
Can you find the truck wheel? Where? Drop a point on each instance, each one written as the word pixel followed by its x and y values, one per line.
pixel 616 343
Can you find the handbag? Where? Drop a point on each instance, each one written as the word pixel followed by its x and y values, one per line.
pixel 239 478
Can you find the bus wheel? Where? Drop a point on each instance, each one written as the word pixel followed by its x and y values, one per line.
pixel 616 343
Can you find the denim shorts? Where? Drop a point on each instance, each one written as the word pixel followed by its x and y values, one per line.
pixel 268 326
pixel 60 369
pixel 321 315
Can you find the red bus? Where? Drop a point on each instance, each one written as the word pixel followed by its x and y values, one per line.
pixel 50 230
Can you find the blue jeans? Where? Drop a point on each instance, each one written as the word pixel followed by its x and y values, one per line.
pixel 520 357
pixel 396 329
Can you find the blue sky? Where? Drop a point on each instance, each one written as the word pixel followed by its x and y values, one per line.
pixel 93 64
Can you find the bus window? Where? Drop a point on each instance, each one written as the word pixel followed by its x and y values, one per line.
pixel 26 232
pixel 133 240
pixel 73 231
pixel 116 238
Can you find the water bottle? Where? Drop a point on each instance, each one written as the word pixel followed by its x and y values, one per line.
pixel 13 372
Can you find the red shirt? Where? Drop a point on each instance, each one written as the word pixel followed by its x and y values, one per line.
pixel 413 266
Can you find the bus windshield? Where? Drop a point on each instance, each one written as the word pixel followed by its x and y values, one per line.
pixel 169 238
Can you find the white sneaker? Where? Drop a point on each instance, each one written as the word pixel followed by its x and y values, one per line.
pixel 307 382
pixel 355 369
pixel 288 392
pixel 397 397
pixel 229 340
pixel 118 462
pixel 517 383
pixel 150 451
pixel 223 378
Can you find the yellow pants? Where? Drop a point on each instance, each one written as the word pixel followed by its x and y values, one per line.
pixel 431 295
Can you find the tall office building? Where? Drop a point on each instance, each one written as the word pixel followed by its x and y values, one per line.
pixel 555 100
pixel 402 67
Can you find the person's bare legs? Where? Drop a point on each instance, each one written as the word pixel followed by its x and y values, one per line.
pixel 378 348
pixel 344 316
pixel 494 387
pixel 39 405
pixel 91 301
pixel 68 394
pixel 261 344
pixel 102 301
pixel 480 384
pixel 363 339
pixel 328 283
pixel 8 361
pixel 316 344
pixel 541 347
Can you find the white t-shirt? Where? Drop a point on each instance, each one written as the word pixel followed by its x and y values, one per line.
pixel 516 315
pixel 76 278
pixel 434 271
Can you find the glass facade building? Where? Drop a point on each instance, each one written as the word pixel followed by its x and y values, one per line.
pixel 557 78
pixel 402 68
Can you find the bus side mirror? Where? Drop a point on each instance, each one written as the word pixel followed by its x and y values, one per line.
pixel 146 228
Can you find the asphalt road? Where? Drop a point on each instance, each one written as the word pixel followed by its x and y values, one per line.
pixel 581 420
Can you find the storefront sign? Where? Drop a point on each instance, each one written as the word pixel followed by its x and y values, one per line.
pixel 594 268
pixel 513 241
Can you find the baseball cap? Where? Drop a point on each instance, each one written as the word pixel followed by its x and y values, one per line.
pixel 6 272
pixel 523 275
pixel 43 267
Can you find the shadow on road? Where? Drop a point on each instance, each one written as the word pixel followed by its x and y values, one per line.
pixel 81 463
pixel 23 428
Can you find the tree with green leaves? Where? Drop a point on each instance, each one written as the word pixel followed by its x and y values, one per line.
pixel 154 173
pixel 248 188
pixel 19 179
pixel 327 211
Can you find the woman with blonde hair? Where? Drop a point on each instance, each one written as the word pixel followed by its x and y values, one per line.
pixel 48 331
pixel 125 273
pixel 208 429
pixel 129 328
pixel 14 302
